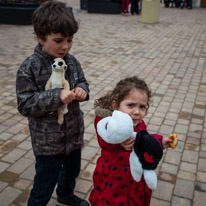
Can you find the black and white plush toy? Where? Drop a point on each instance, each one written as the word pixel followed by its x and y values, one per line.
pixel 146 152
pixel 57 80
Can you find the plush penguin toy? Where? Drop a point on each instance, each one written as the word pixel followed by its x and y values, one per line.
pixel 57 80
pixel 146 152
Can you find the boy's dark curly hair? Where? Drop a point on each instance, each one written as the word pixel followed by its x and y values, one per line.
pixel 121 90
pixel 54 17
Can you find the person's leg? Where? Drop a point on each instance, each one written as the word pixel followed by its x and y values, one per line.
pixel 69 172
pixel 66 182
pixel 127 6
pixel 140 6
pixel 137 6
pixel 132 7
pixel 47 172
pixel 183 4
pixel 123 5
pixel 190 4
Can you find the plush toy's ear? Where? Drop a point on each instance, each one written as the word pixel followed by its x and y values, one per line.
pixel 102 129
pixel 135 166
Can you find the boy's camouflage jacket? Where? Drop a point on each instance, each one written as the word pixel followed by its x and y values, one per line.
pixel 40 106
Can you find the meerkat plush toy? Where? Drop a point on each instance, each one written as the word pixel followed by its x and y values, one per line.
pixel 57 80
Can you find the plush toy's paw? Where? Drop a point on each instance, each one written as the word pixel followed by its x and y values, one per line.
pixel 64 109
pixel 135 166
pixel 116 129
pixel 60 116
pixel 151 179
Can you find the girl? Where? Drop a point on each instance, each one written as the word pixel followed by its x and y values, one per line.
pixel 113 182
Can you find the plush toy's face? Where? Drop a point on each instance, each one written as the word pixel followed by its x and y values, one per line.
pixel 59 64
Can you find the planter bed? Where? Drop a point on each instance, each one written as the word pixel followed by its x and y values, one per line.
pixel 17 13
pixel 105 6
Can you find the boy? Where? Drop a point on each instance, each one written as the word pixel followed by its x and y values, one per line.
pixel 57 148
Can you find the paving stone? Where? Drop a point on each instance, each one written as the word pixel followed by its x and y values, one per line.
pixel 165 129
pixel 202 154
pixel 184 166
pixel 83 186
pixel 88 172
pixel 22 184
pixel 192 147
pixel 5 136
pixel 14 155
pixel 180 146
pixel 181 129
pixel 188 188
pixel 94 143
pixel 180 201
pixel 190 156
pixel 16 128
pixel 8 195
pixel 19 166
pixel 169 168
pixel 89 152
pixel 26 145
pixel 88 136
pixel 156 202
pixel 29 173
pixel 201 176
pixel 202 165
pixel 22 198
pixel 191 140
pixel 186 175
pixel 3 166
pixel 3 185
pixel 163 188
pixel 203 147
pixel 199 198
pixel 8 146
pixel 172 157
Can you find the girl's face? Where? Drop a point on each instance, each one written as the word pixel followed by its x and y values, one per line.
pixel 56 45
pixel 135 105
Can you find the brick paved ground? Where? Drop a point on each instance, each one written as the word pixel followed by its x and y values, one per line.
pixel 170 56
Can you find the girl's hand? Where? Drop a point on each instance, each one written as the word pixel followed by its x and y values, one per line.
pixel 67 96
pixel 80 94
pixel 128 144
pixel 166 143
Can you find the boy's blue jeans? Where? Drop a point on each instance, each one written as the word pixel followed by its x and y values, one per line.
pixel 61 169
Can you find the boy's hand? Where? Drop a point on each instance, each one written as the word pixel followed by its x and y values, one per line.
pixel 80 94
pixel 128 144
pixel 67 96
pixel 166 143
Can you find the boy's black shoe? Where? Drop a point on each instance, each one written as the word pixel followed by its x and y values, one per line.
pixel 71 201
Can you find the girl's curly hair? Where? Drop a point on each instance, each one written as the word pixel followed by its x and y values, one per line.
pixel 121 90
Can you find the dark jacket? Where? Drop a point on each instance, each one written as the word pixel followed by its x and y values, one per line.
pixel 40 106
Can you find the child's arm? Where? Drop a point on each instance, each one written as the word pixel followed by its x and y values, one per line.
pixel 128 144
pixel 67 96
pixel 166 143
pixel 81 87
pixel 80 94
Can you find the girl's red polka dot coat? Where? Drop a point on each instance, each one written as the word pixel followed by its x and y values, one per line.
pixel 113 182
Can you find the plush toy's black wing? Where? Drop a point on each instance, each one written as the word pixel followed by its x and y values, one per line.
pixel 148 150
